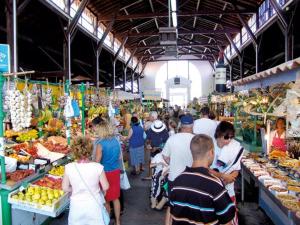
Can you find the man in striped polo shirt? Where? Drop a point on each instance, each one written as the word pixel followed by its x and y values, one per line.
pixel 198 197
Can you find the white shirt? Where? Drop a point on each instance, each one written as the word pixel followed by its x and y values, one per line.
pixel 205 126
pixel 227 155
pixel 160 162
pixel 178 150
pixel 275 134
pixel 86 198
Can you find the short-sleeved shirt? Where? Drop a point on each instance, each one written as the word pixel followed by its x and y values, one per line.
pixel 205 126
pixel 110 154
pixel 157 139
pixel 197 197
pixel 224 159
pixel 178 150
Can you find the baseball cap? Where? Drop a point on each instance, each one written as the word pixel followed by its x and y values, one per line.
pixel 186 120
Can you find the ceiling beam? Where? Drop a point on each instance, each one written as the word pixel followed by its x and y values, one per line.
pixel 178 45
pixel 179 54
pixel 181 32
pixel 179 14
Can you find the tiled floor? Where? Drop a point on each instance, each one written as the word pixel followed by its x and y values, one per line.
pixel 138 212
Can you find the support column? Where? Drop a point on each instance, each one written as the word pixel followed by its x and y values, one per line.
pixel 132 80
pixel 97 69
pixel 288 44
pixel 15 45
pixel 124 78
pixel 241 67
pixel 257 64
pixel 114 75
pixel 138 84
pixel 67 58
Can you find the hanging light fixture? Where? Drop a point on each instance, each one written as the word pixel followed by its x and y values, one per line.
pixel 174 12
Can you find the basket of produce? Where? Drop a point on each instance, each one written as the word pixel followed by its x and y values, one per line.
pixel 34 197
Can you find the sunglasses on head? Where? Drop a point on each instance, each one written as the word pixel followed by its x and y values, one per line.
pixel 227 137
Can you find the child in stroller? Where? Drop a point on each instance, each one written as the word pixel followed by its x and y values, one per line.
pixel 160 171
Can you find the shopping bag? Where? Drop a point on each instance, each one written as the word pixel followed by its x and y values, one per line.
pixel 124 182
pixel 105 215
pixel 75 108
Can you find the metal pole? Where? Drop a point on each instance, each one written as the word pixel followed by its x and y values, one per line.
pixel 241 67
pixel 114 75
pixel 69 58
pixel 124 79
pixel 82 90
pixel 15 57
pixel 257 59
pixel 132 79
pixel 97 68
pixel 6 208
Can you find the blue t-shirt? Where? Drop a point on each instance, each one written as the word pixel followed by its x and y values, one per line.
pixel 137 138
pixel 110 154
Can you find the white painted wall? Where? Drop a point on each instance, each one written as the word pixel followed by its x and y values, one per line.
pixel 202 69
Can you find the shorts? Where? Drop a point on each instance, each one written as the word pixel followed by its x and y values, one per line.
pixel 113 178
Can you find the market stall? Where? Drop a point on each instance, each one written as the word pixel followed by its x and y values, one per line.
pixel 275 170
pixel 41 118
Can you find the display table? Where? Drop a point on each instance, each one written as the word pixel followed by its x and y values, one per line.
pixel 267 201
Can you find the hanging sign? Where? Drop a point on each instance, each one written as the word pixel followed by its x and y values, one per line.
pixel 4 58
pixel 220 76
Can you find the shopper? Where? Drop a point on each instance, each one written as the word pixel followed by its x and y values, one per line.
pixel 136 146
pixel 197 197
pixel 108 154
pixel 157 136
pixel 177 152
pixel 152 117
pixel 278 136
pixel 227 161
pixel 204 125
pixel 172 127
pixel 82 179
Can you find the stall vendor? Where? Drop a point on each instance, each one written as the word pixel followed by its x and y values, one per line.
pixel 277 137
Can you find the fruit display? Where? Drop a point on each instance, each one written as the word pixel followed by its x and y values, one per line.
pixel 54 125
pixel 20 158
pixel 56 147
pixel 58 140
pixel 50 182
pixel 95 111
pixel 45 116
pixel 19 147
pixel 31 150
pixel 19 175
pixel 57 171
pixel 37 196
pixel 28 136
pixel 11 133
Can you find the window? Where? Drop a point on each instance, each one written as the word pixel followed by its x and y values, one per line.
pixel 244 35
pixel 109 40
pixel 236 40
pixel 252 23
pixel 59 3
pixel 117 45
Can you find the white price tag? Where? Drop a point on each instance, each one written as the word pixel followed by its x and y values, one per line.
pixel 68 133
pixel 1 145
pixel 32 167
pixel 22 188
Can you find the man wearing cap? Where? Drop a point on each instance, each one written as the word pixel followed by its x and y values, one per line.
pixel 177 152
